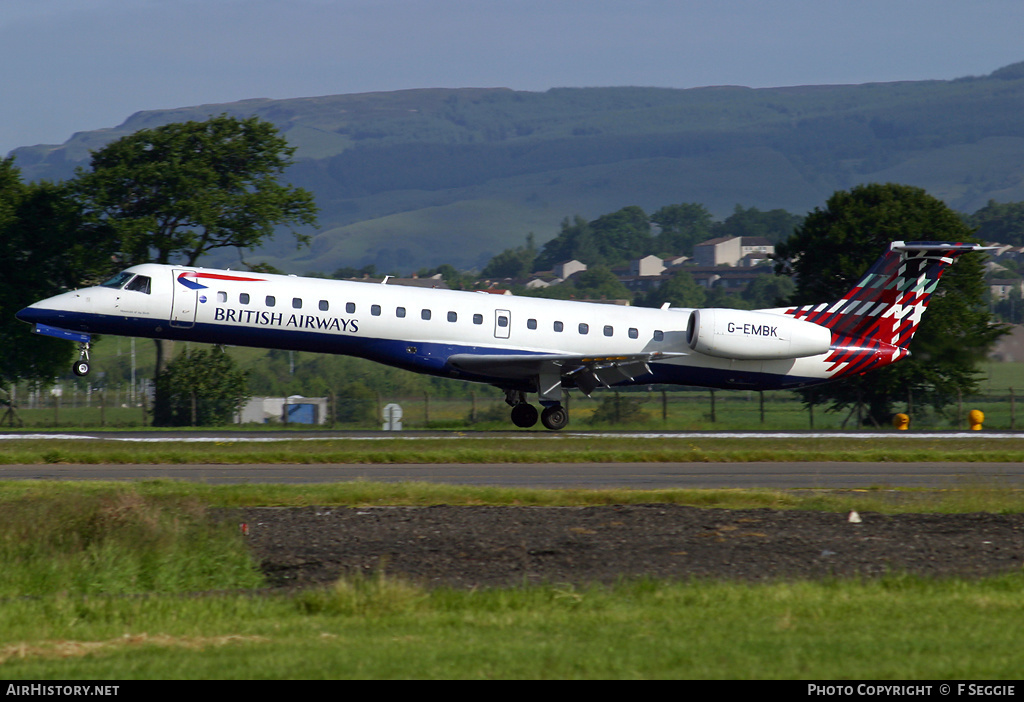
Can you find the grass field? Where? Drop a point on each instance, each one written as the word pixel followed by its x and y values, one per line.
pixel 120 582
pixel 514 447
pixel 894 629
pixel 72 554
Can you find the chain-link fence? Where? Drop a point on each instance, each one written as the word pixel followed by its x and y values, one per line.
pixel 675 409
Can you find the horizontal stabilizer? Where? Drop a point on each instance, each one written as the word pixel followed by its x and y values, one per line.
pixel 937 247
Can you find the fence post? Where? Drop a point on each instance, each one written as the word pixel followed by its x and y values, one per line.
pixel 1013 411
pixel 860 408
pixel 959 409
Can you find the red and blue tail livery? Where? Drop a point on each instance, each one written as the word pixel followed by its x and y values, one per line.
pixel 873 323
pixel 522 345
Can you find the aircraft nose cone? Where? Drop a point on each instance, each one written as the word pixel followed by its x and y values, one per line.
pixel 28 314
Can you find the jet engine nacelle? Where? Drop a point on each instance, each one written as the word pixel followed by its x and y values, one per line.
pixel 754 336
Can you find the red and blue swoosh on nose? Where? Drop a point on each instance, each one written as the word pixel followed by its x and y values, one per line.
pixel 189 279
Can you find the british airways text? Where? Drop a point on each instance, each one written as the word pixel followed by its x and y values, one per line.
pixel 277 319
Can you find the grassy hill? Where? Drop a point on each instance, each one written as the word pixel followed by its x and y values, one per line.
pixel 421 177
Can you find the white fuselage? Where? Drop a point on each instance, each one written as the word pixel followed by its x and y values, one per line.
pixel 408 327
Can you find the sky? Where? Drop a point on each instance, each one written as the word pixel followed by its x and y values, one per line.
pixel 77 65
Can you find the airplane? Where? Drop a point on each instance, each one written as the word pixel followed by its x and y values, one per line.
pixel 522 345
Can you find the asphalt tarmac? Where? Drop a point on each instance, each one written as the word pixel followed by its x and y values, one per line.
pixel 637 476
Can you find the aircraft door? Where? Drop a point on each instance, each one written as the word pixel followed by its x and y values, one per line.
pixel 184 301
pixel 502 323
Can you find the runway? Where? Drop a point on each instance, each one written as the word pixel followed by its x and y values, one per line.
pixel 634 476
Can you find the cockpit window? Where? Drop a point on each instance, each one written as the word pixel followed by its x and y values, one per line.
pixel 118 280
pixel 140 283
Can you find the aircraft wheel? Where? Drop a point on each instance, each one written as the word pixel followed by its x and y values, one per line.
pixel 524 415
pixel 81 368
pixel 554 417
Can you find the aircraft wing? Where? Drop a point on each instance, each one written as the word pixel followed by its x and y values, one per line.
pixel 586 372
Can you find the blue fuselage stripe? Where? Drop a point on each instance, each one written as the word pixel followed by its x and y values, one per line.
pixel 417 356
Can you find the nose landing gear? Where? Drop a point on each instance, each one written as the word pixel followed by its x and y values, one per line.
pixel 81 367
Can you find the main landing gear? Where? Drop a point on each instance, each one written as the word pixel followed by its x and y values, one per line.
pixel 81 367
pixel 554 417
pixel 525 415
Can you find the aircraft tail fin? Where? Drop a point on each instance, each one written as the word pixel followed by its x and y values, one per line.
pixel 878 317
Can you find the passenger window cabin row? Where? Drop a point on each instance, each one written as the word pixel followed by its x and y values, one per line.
pixel 400 312
pixel 141 283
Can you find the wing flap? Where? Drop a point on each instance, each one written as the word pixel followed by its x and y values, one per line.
pixel 586 372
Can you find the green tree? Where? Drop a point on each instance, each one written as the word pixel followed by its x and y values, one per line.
pixel 681 290
pixel 43 251
pixel 610 239
pixel 349 272
pixel 512 263
pixel 453 278
pixel 574 241
pixel 1000 222
pixel 721 296
pixel 201 388
pixel 355 403
pixel 768 291
pixel 836 245
pixel 173 193
pixel 682 227
pixel 622 236
pixel 595 283
pixel 599 283
pixel 774 225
